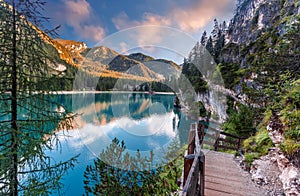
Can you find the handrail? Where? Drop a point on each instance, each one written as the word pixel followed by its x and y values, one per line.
pixel 229 141
pixel 194 163
pixel 194 160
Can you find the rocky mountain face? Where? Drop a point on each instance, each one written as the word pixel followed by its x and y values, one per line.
pixel 257 54
pixel 101 61
pixel 137 65
pixel 259 62
pixel 258 27
pixel 254 17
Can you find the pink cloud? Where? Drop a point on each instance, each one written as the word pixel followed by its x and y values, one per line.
pixel 197 16
pixel 77 10
pixel 122 20
pixel 78 15
pixel 189 19
pixel 124 48
pixel 95 33
pixel 147 36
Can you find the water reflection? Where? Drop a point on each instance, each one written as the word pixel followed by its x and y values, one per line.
pixel 144 122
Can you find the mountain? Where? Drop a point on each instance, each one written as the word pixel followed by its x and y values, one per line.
pixel 123 63
pixel 140 57
pixel 72 49
pixel 258 56
pixel 254 17
pixel 136 66
pixel 259 29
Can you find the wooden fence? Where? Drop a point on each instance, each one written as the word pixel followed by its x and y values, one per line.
pixel 217 138
pixel 194 164
pixel 194 160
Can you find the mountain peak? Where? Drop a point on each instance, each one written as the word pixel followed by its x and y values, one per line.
pixel 73 46
pixel 140 57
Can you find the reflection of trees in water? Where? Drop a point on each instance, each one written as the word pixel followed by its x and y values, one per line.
pixel 176 119
pixel 116 172
pixel 99 108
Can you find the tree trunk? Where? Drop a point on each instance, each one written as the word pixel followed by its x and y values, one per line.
pixel 14 112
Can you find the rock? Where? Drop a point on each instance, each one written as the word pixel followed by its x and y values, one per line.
pixel 275 171
pixel 290 178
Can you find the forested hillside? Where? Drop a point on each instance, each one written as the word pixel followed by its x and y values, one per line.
pixel 258 55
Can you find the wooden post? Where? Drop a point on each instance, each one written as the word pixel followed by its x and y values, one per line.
pixel 202 174
pixel 216 144
pixel 201 132
pixel 239 144
pixel 188 161
pixel 191 144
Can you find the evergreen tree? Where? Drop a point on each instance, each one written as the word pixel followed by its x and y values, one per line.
pixel 215 32
pixel 203 39
pixel 115 172
pixel 223 27
pixel 209 46
pixel 27 114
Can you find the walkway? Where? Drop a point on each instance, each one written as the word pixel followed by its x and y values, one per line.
pixel 224 177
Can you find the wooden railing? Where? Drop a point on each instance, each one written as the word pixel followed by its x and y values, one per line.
pixel 217 138
pixel 194 160
pixel 194 164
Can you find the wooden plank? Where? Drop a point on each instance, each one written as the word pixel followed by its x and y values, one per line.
pixel 202 174
pixel 224 177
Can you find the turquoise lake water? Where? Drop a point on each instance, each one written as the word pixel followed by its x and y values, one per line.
pixel 144 122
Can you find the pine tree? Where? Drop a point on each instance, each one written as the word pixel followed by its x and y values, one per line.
pixel 27 113
pixel 215 32
pixel 116 172
pixel 223 27
pixel 209 46
pixel 204 39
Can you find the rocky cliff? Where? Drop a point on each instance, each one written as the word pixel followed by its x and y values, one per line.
pixel 258 57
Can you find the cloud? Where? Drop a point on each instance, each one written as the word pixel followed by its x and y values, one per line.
pixel 124 48
pixel 197 16
pixel 79 16
pixel 122 21
pixel 189 19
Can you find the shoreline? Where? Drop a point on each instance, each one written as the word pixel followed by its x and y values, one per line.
pixel 101 92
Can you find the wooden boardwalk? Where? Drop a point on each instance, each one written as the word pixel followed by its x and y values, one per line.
pixel 224 177
pixel 213 173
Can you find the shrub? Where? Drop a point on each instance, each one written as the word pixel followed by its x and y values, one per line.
pixel 257 146
pixel 290 147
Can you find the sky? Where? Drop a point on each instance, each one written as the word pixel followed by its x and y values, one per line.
pixel 148 22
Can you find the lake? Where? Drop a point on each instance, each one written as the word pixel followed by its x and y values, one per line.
pixel 144 122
